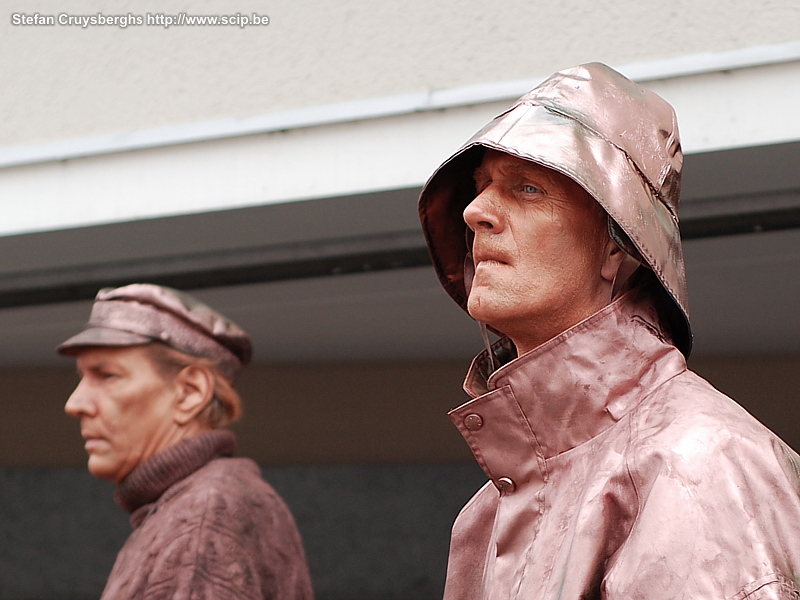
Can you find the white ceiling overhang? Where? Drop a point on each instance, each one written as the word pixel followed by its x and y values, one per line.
pixel 216 208
pixel 731 99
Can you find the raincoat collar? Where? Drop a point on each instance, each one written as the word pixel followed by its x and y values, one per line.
pixel 576 385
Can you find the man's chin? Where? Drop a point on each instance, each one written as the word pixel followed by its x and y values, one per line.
pixel 101 470
pixel 476 311
pixel 483 312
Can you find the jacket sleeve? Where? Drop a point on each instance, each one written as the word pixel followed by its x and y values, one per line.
pixel 718 517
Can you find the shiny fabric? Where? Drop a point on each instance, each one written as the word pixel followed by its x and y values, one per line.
pixel 618 140
pixel 616 473
pixel 141 313
pixel 206 526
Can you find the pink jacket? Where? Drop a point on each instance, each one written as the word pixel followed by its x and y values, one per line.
pixel 617 473
pixel 206 527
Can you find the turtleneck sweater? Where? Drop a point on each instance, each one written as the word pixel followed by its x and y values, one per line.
pixel 206 525
pixel 148 481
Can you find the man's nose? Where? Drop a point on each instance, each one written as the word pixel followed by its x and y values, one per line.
pixel 484 212
pixel 79 403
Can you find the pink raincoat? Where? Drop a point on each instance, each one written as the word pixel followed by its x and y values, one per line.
pixel 617 473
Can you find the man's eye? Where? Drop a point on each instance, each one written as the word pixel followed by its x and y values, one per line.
pixel 530 189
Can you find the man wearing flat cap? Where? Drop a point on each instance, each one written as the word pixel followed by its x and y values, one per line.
pixel 156 391
pixel 614 471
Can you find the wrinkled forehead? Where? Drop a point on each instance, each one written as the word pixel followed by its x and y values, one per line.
pixel 89 357
pixel 497 163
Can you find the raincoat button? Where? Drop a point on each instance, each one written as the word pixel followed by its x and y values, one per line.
pixel 506 485
pixel 473 422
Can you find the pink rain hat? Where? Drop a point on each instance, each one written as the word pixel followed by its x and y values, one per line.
pixel 616 139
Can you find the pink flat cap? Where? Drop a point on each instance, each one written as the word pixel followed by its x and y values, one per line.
pixel 142 313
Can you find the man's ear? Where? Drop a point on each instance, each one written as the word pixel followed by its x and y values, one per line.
pixel 196 385
pixel 613 256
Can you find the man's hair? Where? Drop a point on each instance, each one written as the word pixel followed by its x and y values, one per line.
pixel 225 405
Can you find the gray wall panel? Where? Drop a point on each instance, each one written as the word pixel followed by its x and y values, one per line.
pixel 371 532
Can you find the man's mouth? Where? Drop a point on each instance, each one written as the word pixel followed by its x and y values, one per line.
pixel 489 261
pixel 488 257
pixel 92 442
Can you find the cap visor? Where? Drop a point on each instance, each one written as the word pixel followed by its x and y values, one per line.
pixel 101 336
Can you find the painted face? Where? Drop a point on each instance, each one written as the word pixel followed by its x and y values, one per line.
pixel 126 409
pixel 539 246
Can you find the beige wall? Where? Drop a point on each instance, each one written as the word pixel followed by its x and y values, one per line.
pixel 66 82
pixel 767 386
pixel 293 415
pixel 362 413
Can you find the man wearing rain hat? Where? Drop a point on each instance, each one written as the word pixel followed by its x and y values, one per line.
pixel 614 471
